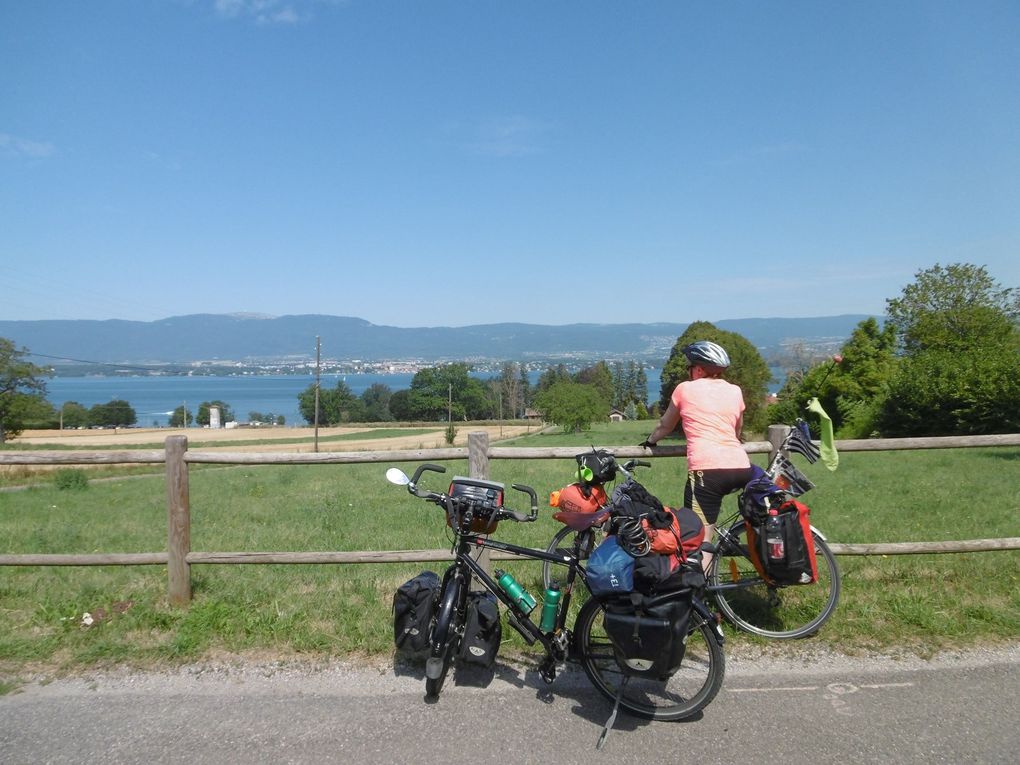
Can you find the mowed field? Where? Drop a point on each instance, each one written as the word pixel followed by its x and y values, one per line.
pixel 361 438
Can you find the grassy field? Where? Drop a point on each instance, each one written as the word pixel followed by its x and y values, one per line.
pixel 920 603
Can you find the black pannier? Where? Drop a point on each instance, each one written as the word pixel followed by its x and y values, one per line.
pixel 483 630
pixel 657 574
pixel 649 637
pixel 414 605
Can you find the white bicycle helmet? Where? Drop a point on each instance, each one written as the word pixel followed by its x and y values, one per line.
pixel 706 353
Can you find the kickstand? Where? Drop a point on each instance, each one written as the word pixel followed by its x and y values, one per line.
pixel 612 717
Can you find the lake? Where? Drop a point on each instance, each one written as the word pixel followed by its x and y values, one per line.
pixel 154 398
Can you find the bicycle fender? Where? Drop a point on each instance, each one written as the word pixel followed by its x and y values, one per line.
pixel 446 615
pixel 819 534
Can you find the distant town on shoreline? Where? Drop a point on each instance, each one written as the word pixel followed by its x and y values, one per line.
pixel 215 344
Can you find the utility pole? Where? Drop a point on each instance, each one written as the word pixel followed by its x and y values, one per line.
pixel 318 351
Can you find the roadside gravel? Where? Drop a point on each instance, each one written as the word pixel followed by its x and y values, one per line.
pixel 356 675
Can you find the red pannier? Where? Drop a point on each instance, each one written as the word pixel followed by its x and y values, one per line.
pixel 791 559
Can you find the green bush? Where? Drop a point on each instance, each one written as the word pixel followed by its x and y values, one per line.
pixel 71 479
pixel 941 393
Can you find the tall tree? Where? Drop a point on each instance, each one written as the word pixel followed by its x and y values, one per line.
pixel 600 377
pixel 21 388
pixel 958 329
pixel 955 308
pixel 526 391
pixel 400 405
pixel 849 389
pixel 747 369
pixel 572 406
pixel 630 384
pixel 73 415
pixel 376 403
pixel 113 414
pixel 551 376
pixel 336 405
pixel 510 389
pixel 181 418
pixel 437 393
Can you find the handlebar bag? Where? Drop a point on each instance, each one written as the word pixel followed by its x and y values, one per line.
pixel 596 467
pixel 610 569
pixel 649 639
pixel 483 630
pixel 414 605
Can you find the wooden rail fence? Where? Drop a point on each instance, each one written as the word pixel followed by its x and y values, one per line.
pixel 179 557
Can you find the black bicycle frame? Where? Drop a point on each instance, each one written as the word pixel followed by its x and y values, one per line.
pixel 474 541
pixel 725 539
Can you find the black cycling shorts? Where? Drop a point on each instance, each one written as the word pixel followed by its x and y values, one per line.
pixel 705 489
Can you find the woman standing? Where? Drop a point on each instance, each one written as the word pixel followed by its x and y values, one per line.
pixel 711 411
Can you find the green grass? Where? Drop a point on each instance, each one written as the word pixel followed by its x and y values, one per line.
pixel 923 603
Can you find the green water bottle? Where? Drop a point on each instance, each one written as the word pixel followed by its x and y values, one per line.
pixel 550 607
pixel 519 595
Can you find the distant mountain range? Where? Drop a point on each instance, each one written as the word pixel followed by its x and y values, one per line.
pixel 252 338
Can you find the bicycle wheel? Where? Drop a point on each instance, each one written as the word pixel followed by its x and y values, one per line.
pixel 563 543
pixel 782 613
pixel 445 637
pixel 682 695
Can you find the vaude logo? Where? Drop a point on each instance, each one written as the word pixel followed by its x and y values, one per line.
pixel 477 651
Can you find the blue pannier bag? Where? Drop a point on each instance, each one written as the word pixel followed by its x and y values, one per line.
pixel 610 569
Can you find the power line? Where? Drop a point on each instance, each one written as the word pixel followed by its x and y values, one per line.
pixel 95 363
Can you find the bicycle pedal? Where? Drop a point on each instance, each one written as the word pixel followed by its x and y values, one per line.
pixel 548 668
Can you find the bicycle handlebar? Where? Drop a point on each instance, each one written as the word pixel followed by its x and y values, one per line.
pixel 444 500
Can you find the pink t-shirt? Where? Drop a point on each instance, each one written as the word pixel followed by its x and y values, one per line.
pixel 709 409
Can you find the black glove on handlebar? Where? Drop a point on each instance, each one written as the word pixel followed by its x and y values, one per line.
pixel 647 444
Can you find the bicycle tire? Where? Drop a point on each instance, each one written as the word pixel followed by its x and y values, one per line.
pixel 563 542
pixel 679 697
pixel 781 613
pixel 445 637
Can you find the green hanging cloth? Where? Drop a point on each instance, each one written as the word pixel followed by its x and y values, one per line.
pixel 829 454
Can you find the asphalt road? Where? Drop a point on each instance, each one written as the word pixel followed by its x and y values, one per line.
pixel 795 708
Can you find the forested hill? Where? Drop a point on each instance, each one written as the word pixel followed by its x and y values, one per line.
pixel 247 338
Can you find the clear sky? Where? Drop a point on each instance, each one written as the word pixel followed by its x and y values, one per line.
pixel 434 163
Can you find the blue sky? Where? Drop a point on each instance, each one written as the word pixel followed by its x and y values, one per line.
pixel 452 163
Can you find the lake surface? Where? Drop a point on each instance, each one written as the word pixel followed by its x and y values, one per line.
pixel 154 398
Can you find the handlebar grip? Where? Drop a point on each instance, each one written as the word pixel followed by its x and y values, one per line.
pixel 427 466
pixel 534 500
pixel 519 517
pixel 529 491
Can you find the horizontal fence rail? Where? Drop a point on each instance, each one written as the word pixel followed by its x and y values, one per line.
pixel 429 556
pixel 178 558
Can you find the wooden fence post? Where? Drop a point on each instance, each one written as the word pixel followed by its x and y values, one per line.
pixel 178 521
pixel 478 454
pixel 776 435
pixel 478 467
